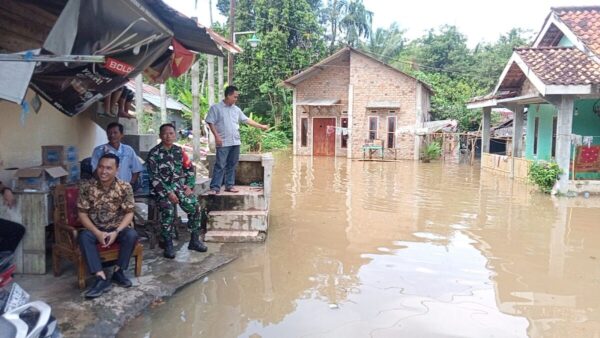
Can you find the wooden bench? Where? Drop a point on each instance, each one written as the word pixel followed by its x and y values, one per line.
pixel 66 230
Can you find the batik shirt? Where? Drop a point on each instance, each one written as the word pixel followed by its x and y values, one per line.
pixel 169 170
pixel 105 207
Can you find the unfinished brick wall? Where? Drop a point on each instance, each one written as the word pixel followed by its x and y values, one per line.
pixel 330 83
pixel 374 81
pixel 371 80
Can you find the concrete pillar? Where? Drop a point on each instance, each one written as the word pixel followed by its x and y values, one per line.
pixel 221 89
pixel 163 104
pixel 563 140
pixel 517 136
pixel 196 109
pixel 139 99
pixel 350 125
pixel 210 64
pixel 418 121
pixel 485 129
pixel 295 131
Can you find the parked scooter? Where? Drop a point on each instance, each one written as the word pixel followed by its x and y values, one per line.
pixel 20 319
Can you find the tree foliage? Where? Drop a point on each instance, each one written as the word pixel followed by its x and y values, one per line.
pixel 295 34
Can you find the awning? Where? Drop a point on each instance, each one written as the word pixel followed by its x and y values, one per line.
pixel 319 102
pixel 383 104
pixel 130 35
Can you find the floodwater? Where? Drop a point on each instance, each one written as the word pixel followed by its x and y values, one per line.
pixel 400 249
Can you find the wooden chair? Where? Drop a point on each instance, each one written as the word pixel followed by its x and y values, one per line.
pixel 66 230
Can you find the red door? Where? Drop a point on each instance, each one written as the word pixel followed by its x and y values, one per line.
pixel 323 142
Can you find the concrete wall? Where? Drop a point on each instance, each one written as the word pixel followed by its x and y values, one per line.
pixel 585 123
pixel 20 145
pixel 373 81
pixel 331 83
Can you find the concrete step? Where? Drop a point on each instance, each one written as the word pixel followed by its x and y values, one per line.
pixel 234 236
pixel 202 185
pixel 248 198
pixel 243 220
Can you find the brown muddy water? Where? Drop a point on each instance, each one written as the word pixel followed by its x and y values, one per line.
pixel 400 249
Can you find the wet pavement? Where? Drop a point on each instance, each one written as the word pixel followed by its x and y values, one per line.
pixel 390 249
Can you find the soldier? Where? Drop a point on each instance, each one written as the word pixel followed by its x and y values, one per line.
pixel 173 177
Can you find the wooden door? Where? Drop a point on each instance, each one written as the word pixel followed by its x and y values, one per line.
pixel 323 142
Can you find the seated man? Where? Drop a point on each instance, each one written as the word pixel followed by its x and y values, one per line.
pixel 130 165
pixel 173 176
pixel 11 233
pixel 105 209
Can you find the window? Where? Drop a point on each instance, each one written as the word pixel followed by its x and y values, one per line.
pixel 304 131
pixel 344 138
pixel 536 129
pixel 554 127
pixel 372 127
pixel 391 132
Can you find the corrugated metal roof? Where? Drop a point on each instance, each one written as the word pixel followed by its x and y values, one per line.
pixel 152 96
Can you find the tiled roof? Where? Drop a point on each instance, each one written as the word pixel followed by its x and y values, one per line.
pixel 560 65
pixel 584 22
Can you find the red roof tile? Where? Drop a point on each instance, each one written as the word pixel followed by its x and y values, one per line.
pixel 584 22
pixel 560 65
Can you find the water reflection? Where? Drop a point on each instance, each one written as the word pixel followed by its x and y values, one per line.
pixel 358 249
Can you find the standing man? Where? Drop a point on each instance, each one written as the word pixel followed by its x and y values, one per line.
pixel 224 121
pixel 173 177
pixel 105 209
pixel 11 233
pixel 130 166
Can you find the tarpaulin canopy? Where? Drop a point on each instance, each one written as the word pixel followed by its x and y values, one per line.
pixel 130 34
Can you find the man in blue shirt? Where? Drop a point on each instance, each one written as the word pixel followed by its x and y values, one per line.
pixel 224 120
pixel 130 165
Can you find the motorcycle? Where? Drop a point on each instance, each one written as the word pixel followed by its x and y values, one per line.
pixel 19 317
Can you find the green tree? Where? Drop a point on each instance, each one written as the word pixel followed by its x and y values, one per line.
pixel 350 19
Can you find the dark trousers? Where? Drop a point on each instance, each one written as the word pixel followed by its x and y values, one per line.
pixel 226 160
pixel 87 244
pixel 11 234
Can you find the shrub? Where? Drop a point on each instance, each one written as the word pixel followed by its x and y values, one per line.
pixel 544 175
pixel 432 151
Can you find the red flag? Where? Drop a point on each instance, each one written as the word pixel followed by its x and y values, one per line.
pixel 182 59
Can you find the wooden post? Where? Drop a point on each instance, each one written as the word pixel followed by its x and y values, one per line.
pixel 220 90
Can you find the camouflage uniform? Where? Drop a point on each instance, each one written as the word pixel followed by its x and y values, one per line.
pixel 169 171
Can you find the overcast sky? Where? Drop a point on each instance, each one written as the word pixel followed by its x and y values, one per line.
pixel 481 20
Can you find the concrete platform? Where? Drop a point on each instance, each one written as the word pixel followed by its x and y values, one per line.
pixel 104 316
pixel 235 236
pixel 248 198
pixel 238 220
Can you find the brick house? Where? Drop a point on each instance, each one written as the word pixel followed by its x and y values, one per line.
pixel 350 99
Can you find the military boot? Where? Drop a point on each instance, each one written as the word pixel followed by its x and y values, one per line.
pixel 169 250
pixel 196 244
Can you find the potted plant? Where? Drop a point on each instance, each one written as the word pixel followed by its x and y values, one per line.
pixel 432 151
